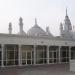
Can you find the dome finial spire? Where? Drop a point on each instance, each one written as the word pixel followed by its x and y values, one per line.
pixel 66 12
pixel 35 21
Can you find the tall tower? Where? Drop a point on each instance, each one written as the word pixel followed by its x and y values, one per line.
pixel 67 23
pixel 66 28
pixel 10 28
pixel 21 26
pixel 61 29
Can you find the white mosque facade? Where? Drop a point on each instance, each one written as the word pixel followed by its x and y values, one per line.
pixel 37 46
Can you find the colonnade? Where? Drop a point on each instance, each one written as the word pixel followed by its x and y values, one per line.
pixel 57 57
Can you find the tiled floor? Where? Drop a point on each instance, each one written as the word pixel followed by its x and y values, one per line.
pixel 54 69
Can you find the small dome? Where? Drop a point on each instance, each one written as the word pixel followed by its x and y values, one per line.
pixel 36 31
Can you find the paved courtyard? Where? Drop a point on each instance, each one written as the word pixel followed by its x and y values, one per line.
pixel 54 69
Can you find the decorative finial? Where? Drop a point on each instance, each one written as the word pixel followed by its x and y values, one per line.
pixel 66 12
pixel 10 24
pixel 35 21
pixel 20 19
pixel 10 28
pixel 47 30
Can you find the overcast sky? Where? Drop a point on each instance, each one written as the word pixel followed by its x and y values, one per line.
pixel 48 13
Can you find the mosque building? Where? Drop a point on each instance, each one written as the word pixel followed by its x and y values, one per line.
pixel 37 47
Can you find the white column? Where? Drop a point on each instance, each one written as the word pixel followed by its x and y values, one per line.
pixel 2 46
pixel 59 54
pixel 31 57
pixel 52 56
pixel 47 54
pixel 69 53
pixel 20 56
pixel 34 54
pixel 6 55
pixel 26 57
pixel 14 55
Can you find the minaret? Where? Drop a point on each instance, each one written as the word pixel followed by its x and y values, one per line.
pixel 61 29
pixel 21 25
pixel 66 27
pixel 67 23
pixel 61 26
pixel 10 28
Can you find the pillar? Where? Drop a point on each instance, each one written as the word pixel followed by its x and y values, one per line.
pixel 19 56
pixel 59 54
pixel 31 57
pixel 26 57
pixel 2 64
pixel 69 53
pixel 47 54
pixel 34 54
